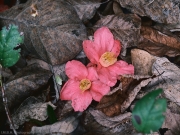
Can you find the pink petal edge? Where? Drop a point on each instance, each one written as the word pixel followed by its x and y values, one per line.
pixel 107 77
pixel 116 48
pixel 98 90
pixel 92 74
pixel 121 68
pixel 81 101
pixel 90 50
pixel 76 70
pixel 69 89
pixel 104 38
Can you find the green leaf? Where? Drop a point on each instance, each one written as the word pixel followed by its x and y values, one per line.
pixel 58 79
pixel 9 39
pixel 147 115
pixel 37 122
pixel 51 114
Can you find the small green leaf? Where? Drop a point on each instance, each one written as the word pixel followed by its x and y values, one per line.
pixel 37 122
pixel 58 79
pixel 9 39
pixel 147 115
pixel 51 114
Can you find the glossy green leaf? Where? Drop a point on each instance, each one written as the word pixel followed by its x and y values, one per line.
pixel 9 39
pixel 51 114
pixel 147 115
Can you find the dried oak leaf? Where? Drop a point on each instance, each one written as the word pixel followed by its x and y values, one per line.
pixel 142 62
pixel 162 11
pixel 27 111
pixel 158 43
pixel 117 101
pixel 168 79
pixel 52 30
pixel 85 9
pixel 32 80
pixel 125 28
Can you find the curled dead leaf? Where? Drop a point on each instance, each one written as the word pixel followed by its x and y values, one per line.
pixel 121 97
pixel 159 37
pixel 158 49
pixel 159 41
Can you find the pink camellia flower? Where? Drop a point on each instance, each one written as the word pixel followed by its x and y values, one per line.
pixel 103 53
pixel 83 85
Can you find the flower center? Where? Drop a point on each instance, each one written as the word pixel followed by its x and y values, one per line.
pixel 85 84
pixel 107 59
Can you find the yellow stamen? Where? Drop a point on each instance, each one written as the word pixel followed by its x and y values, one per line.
pixel 85 84
pixel 107 59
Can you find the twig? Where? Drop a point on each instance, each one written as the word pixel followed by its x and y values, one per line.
pixel 5 104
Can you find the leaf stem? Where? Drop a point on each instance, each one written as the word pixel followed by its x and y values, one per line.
pixel 2 87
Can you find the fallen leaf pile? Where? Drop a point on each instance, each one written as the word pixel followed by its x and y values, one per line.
pixel 54 31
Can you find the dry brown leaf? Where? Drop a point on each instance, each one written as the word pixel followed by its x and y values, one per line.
pixel 158 49
pixel 172 122
pixel 94 128
pixel 85 9
pixel 125 28
pixel 34 110
pixel 32 80
pixel 64 108
pixel 121 97
pixel 66 125
pixel 162 11
pixel 41 63
pixel 5 72
pixel 142 62
pixel 168 79
pixel 159 37
pixel 110 122
pixel 54 35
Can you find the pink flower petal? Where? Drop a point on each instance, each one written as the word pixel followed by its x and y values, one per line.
pixel 90 49
pixel 121 68
pixel 92 74
pixel 104 38
pixel 107 77
pixel 116 48
pixel 98 90
pixel 69 89
pixel 81 101
pixel 76 70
